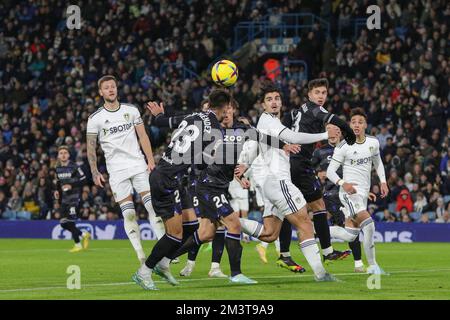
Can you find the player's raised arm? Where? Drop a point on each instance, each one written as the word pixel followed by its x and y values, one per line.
pixel 301 137
pixel 161 120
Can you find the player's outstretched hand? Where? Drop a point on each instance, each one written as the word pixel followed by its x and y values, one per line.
pixel 348 187
pixel 372 196
pixel 333 131
pixel 240 170
pixel 155 108
pixel 150 166
pixel 384 190
pixel 245 184
pixel 98 179
pixel 292 148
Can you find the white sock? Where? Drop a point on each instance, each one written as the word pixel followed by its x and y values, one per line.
pixel 277 245
pixel 326 251
pixel 215 265
pixel 264 244
pixel 285 254
pixel 368 229
pixel 311 252
pixel 190 263
pixel 145 271
pixel 132 227
pixel 359 264
pixel 156 222
pixel 164 263
pixel 78 245
pixel 251 227
pixel 346 234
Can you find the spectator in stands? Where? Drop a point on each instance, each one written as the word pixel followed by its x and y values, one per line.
pixel 404 202
pixel 420 203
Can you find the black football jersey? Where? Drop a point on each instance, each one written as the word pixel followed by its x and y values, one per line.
pixel 320 161
pixel 309 118
pixel 193 143
pixel 71 175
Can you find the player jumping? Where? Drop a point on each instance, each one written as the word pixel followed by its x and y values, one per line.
pixel 278 188
pixel 311 117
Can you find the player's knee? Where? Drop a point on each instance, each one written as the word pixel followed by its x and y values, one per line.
pixel 271 237
pixel 206 235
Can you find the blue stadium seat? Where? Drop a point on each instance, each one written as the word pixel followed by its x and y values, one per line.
pixel 379 215
pixel 431 215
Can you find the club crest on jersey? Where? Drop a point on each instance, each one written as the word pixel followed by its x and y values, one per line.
pixel 127 116
pixel 371 149
pixel 105 131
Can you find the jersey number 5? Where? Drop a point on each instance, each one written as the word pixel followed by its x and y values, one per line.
pixel 187 133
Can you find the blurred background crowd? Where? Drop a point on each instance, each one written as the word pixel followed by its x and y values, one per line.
pixel 161 50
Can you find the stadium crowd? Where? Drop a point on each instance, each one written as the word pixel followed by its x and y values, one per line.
pixel 48 74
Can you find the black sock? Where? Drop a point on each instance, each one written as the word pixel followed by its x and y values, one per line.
pixel 218 245
pixel 190 244
pixel 322 228
pixel 234 249
pixel 76 233
pixel 188 230
pixel 356 248
pixel 285 236
pixel 165 247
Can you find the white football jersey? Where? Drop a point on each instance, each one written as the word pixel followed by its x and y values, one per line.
pixel 356 161
pixel 275 159
pixel 117 136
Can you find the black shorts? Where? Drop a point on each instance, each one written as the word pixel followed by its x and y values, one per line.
pixel 333 205
pixel 213 202
pixel 166 195
pixel 69 212
pixel 186 197
pixel 304 177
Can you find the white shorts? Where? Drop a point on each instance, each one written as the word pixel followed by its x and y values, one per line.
pixel 284 196
pixel 239 204
pixel 123 182
pixel 353 204
pixel 269 208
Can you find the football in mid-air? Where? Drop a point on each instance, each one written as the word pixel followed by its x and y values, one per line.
pixel 224 73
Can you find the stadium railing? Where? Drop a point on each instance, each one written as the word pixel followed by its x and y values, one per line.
pixel 276 26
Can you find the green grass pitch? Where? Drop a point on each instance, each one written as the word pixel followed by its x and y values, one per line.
pixel 36 269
